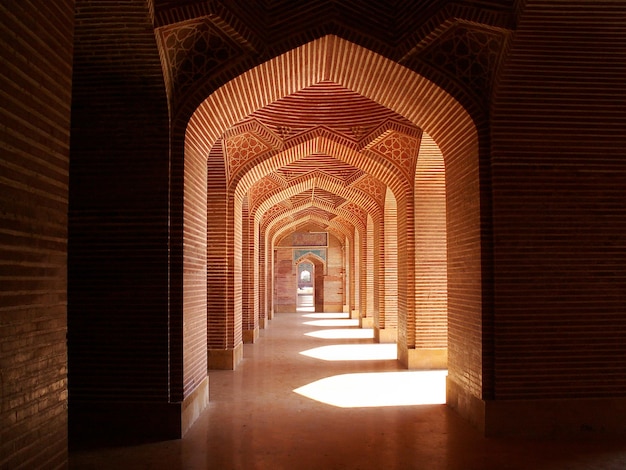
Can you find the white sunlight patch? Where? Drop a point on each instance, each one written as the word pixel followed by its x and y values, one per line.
pixel 404 388
pixel 326 315
pixel 343 333
pixel 354 352
pixel 335 323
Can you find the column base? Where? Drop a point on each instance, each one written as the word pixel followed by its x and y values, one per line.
pixel 225 359
pixel 367 322
pixel 385 335
pixel 194 405
pixel 465 404
pixel 423 358
pixel 354 314
pixel 251 336
pixel 542 418
pixel 130 423
pixel 329 307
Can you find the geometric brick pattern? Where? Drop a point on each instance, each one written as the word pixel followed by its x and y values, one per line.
pixel 322 163
pixel 373 187
pixel 241 148
pixel 467 53
pixel 400 149
pixel 194 49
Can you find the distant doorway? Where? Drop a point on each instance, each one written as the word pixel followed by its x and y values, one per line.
pixel 305 295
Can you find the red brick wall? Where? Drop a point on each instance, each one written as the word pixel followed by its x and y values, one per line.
pixel 431 299
pixel 195 272
pixel 559 185
pixel 35 79
pixel 389 258
pixel 219 260
pixel 250 320
pixel 333 280
pixel 285 281
pixel 370 277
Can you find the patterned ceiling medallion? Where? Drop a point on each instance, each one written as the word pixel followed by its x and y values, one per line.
pixel 195 50
pixel 355 210
pixel 242 148
pixel 468 54
pixel 401 149
pixel 245 142
pixel 261 189
pixel 372 187
pixel 398 143
pixel 273 212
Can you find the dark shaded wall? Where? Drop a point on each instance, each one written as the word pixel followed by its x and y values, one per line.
pixel 559 194
pixel 35 95
pixel 123 372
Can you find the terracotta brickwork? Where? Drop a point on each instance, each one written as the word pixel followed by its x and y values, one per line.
pixel 388 311
pixel 467 164
pixel 35 79
pixel 371 276
pixel 194 276
pixel 250 320
pixel 431 290
pixel 299 145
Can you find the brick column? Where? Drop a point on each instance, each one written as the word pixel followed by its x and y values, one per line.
pixel 224 341
pixel 430 328
pixel 250 321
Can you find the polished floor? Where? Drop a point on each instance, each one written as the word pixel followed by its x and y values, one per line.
pixel 315 392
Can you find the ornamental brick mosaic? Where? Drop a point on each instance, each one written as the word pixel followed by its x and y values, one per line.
pixel 242 148
pixel 401 149
pixel 373 187
pixel 467 54
pixel 194 50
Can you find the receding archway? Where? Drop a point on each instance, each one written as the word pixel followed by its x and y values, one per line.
pixel 305 290
pixel 423 103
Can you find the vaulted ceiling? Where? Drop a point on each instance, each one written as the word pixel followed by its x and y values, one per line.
pixel 337 136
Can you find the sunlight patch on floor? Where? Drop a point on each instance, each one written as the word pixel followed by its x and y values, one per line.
pixel 373 389
pixel 326 315
pixel 354 352
pixel 335 323
pixel 343 333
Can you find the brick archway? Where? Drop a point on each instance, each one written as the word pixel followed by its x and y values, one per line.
pixel 415 98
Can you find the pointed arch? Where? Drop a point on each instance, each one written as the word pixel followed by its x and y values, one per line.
pixel 419 100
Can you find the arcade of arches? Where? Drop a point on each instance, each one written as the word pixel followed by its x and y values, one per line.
pixel 177 173
pixel 311 156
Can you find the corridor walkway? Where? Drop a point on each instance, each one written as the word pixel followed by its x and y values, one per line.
pixel 268 415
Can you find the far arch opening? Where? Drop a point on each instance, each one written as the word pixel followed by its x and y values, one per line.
pixel 306 286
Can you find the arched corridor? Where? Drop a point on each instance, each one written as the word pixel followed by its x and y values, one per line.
pixel 453 171
pixel 325 152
